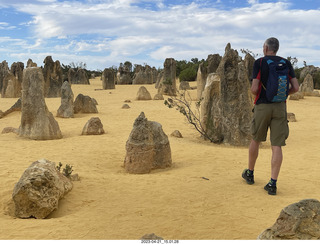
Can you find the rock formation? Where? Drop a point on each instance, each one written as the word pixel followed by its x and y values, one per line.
pixel 66 108
pixel 167 84
pixel 227 104
pixel 78 76
pixel 14 107
pixel 147 147
pixel 4 70
pixel 143 94
pixel 307 87
pixel 93 127
pixel 11 83
pixel 39 190
pixel 84 104
pixel 53 77
pixel 213 61
pixel 176 133
pixel 123 76
pixel 143 75
pixel 36 121
pixel 108 79
pixel 298 221
pixel 31 64
pixel 158 96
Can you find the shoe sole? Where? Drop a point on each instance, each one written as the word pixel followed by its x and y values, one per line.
pixel 248 182
pixel 270 193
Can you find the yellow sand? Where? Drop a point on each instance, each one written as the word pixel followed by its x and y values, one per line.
pixel 175 203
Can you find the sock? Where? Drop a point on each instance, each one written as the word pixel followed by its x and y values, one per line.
pixel 273 182
pixel 250 172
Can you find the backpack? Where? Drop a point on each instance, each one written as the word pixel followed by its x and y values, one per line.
pixel 277 87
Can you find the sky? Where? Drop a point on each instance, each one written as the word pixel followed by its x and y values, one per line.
pixel 105 33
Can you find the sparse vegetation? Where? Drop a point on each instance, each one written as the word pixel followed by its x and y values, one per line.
pixel 67 171
pixel 184 105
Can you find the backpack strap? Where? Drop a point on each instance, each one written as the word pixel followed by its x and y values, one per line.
pixel 261 74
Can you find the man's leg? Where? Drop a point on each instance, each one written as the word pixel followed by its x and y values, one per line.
pixel 247 174
pixel 253 154
pixel 276 161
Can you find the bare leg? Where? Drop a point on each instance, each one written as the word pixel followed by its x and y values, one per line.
pixel 253 153
pixel 276 161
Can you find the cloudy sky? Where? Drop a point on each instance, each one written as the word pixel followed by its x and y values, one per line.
pixel 104 33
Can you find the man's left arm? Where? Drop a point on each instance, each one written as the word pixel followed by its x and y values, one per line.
pixel 294 86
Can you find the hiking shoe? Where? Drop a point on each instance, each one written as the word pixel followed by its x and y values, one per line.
pixel 249 178
pixel 272 190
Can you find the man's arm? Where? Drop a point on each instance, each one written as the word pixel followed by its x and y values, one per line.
pixel 294 86
pixel 255 86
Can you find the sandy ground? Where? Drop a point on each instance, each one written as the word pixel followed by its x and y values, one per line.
pixel 175 203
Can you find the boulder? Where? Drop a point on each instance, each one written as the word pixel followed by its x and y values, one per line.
pixel 167 84
pixel 151 236
pixel 226 109
pixel 108 79
pixel 39 190
pixel 37 122
pixel 10 130
pixel 176 133
pixel 66 108
pixel 291 117
pixel 158 96
pixel 93 127
pixel 125 106
pixel 53 77
pixel 296 96
pixel 298 221
pixel 143 94
pixel 147 147
pixel 84 104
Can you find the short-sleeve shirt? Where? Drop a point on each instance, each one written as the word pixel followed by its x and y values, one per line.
pixel 261 72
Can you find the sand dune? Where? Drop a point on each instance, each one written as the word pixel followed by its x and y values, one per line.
pixel 175 203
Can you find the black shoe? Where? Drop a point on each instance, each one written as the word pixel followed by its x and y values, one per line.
pixel 272 190
pixel 249 178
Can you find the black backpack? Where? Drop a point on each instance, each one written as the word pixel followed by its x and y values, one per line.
pixel 277 87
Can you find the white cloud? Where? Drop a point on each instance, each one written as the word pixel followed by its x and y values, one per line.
pixel 120 30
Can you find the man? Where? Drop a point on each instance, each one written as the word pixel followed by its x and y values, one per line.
pixel 268 114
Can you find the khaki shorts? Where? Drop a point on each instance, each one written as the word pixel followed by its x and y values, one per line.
pixel 273 115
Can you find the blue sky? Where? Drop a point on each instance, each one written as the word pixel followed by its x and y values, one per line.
pixel 104 33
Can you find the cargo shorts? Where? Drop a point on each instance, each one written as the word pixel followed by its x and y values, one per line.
pixel 273 115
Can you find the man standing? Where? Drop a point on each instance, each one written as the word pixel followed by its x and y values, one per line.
pixel 268 113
